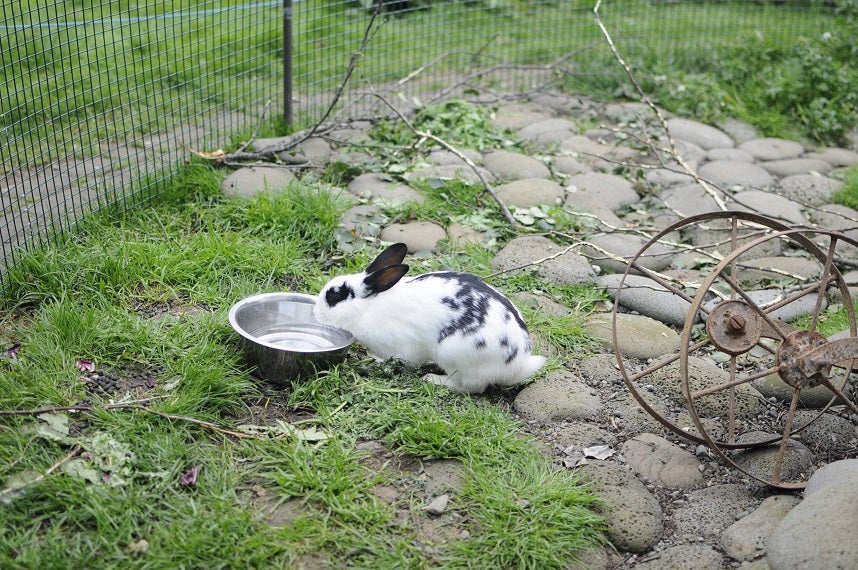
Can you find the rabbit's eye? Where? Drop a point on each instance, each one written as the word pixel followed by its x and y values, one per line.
pixel 337 294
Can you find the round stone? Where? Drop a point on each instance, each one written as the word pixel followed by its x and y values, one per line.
pixel 769 148
pixel 729 173
pixel 252 180
pixel 530 192
pixel 701 134
pixel 419 236
pixel 507 165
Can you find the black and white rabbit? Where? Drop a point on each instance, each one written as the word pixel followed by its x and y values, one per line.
pixel 455 320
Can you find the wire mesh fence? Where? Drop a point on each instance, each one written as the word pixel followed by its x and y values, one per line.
pixel 100 102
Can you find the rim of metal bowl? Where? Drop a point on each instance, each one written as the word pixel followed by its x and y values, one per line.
pixel 298 296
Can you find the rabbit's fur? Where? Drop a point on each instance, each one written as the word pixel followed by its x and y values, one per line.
pixel 455 320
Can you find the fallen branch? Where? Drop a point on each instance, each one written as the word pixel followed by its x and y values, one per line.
pixel 271 152
pixel 133 405
pixel 75 450
pixel 645 98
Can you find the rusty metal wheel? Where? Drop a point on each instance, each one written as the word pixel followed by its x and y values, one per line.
pixel 735 320
pixel 738 322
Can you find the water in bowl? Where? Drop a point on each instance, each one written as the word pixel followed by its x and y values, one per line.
pixel 305 337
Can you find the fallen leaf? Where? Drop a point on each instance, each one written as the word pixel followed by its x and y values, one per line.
pixel 190 476
pixel 12 351
pixel 599 452
pixel 137 547
pixel 54 428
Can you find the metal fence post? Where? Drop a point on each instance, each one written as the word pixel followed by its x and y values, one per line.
pixel 287 62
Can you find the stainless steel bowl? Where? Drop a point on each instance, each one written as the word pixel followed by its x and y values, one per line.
pixel 282 339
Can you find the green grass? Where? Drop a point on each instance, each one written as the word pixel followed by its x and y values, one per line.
pixel 103 487
pixel 143 70
pixel 847 194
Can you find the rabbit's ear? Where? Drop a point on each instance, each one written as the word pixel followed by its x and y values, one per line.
pixel 393 255
pixel 383 279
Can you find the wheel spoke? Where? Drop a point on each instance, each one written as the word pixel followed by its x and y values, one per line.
pixel 779 458
pixel 825 277
pixel 733 383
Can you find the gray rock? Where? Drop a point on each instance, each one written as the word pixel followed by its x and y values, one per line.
pixel 810 536
pixel 374 185
pixel 604 249
pixel 729 173
pixel 363 220
pixel 316 149
pixel 667 177
pixel 835 156
pixel 548 131
pixel 460 233
pixel 559 396
pixel 711 510
pixel 445 157
pixel 731 154
pixel 837 218
pixel 703 373
pixel 530 192
pixel 628 112
pixel 599 216
pixel 767 297
pixel 704 136
pixel 740 131
pixel 832 475
pixel 761 462
pixel 769 148
pixel 770 205
pixel 634 516
pixel 645 296
pixel 772 386
pixel 461 172
pixel 438 505
pixel 637 336
pixel 811 189
pixel 522 252
pixel 584 148
pixel 544 303
pixel 508 165
pixel 419 236
pixel 780 268
pixel 746 538
pixel 600 369
pixel 826 435
pixel 516 116
pixel 578 435
pixel 611 190
pixel 717 236
pixel 791 166
pixel 683 557
pixel 569 166
pixel 249 181
pixel 689 199
pixel 690 152
pixel 655 459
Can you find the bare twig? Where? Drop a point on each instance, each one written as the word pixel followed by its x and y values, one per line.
pixel 75 450
pixel 645 98
pixel 195 421
pixel 262 117
pixel 368 34
pixel 538 261
pixel 132 405
pixel 271 152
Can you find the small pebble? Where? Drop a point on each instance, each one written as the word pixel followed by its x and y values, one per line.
pixel 438 505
